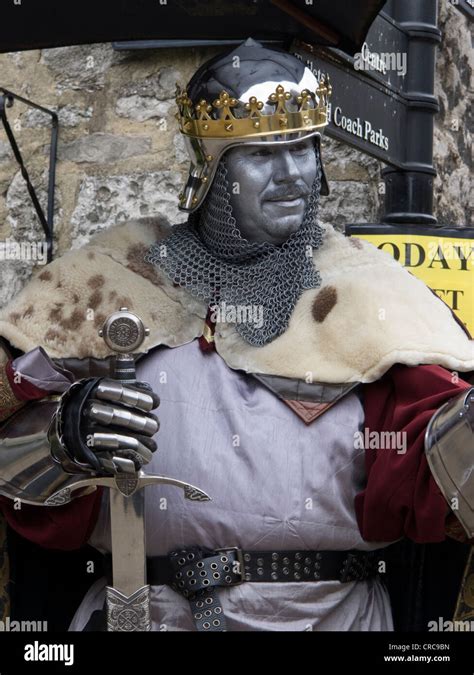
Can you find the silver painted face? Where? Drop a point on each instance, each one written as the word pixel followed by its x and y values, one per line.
pixel 269 187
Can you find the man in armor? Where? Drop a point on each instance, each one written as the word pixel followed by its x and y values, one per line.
pixel 308 383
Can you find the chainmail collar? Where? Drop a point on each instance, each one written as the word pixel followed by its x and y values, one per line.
pixel 256 285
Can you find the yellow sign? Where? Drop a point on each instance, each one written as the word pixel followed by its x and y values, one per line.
pixel 444 263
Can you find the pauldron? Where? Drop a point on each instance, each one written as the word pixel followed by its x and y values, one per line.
pixel 449 446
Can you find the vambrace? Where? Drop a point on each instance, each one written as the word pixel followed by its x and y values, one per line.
pixel 449 447
pixel 30 456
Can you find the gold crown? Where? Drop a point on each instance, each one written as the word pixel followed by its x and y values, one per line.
pixel 197 119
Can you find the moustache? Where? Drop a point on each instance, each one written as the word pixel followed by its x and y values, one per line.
pixel 288 193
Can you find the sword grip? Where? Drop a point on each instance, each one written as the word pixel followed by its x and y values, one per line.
pixel 125 369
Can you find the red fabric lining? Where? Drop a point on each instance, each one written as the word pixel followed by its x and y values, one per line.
pixel 401 497
pixel 64 528
pixel 23 390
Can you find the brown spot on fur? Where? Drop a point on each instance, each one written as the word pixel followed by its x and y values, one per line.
pixel 56 313
pixel 15 317
pixel 112 295
pixel 97 281
pixel 99 320
pixel 136 263
pixel 28 313
pixel 45 275
pixel 154 316
pixel 59 284
pixel 54 336
pixel 75 298
pixel 91 255
pixel 74 321
pixel 323 303
pixel 356 243
pixel 95 299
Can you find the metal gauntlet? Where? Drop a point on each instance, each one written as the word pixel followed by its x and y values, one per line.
pixel 449 446
pixel 105 427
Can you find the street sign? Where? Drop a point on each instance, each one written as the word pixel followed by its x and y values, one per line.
pixel 363 113
pixel 442 257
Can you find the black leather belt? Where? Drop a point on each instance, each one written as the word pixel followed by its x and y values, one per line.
pixel 195 568
pixel 196 573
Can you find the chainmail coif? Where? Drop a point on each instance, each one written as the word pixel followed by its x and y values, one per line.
pixel 208 256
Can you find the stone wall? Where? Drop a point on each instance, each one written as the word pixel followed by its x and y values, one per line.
pixel 120 155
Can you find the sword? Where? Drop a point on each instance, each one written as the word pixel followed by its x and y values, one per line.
pixel 128 599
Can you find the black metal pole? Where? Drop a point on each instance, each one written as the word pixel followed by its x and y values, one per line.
pixel 409 192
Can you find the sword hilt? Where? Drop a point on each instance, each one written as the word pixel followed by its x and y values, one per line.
pixel 123 332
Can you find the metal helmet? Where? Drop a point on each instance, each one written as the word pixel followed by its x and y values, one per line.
pixel 250 95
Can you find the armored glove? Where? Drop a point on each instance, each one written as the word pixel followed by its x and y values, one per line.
pixel 106 427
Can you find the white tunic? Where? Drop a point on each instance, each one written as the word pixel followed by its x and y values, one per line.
pixel 276 484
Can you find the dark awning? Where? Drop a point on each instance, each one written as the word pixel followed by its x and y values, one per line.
pixel 35 24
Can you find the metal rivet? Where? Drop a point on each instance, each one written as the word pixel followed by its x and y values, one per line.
pixel 208 612
pixel 286 561
pixel 199 603
pixel 206 625
pixel 260 571
pixel 297 576
pixel 217 610
pixel 247 557
pixel 189 573
pixel 274 566
pixel 198 615
pixel 308 561
pixel 286 570
pixel 275 556
pixel 260 562
pixel 203 573
pixel 298 556
pixel 209 601
pixel 190 556
pixel 205 582
pixel 216 575
pixel 216 622
pixel 224 558
pixel 213 566
pixel 306 570
pixel 200 564
pixel 274 576
pixel 297 566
